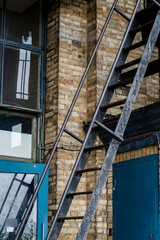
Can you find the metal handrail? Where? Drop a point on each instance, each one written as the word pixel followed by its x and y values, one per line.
pixel 25 217
pixel 157 3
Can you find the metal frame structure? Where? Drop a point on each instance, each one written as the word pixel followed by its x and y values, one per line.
pixel 117 135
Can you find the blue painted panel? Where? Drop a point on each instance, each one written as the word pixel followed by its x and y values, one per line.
pixel 31 168
pixel 135 199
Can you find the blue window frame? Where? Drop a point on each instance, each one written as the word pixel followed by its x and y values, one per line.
pixel 19 178
pixel 19 50
pixel 22 63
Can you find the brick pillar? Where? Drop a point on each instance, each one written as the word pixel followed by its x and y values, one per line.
pixel 51 105
pixel 66 59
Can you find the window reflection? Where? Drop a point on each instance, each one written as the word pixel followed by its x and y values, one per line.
pixel 1 6
pixel 16 136
pixel 22 18
pixel 21 77
pixel 14 199
pixel 24 71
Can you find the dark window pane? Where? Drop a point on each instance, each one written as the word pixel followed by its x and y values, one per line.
pixel 16 136
pixel 21 78
pixel 14 199
pixel 23 21
pixel 0 61
pixel 1 5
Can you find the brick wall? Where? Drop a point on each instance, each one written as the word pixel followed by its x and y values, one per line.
pixel 51 106
pixel 72 63
pixel 66 62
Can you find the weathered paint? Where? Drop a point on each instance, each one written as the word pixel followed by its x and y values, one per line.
pixel 135 199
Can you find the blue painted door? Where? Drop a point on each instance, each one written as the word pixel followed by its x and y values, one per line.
pixel 17 183
pixel 135 199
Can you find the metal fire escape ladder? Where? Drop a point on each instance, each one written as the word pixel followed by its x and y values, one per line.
pixel 114 81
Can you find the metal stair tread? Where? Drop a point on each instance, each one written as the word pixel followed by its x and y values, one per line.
pixel 153 67
pixel 88 170
pixel 136 45
pixel 142 13
pixel 113 134
pixel 79 193
pixel 142 27
pixel 129 64
pixel 121 84
pixel 113 104
pixel 96 147
pixel 69 218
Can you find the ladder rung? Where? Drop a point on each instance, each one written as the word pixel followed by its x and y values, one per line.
pixel 114 104
pixel 142 27
pixel 129 64
pixel 118 138
pixel 79 193
pixel 69 218
pixel 153 67
pixel 88 170
pixel 156 2
pixel 121 84
pixel 73 135
pixel 151 10
pixel 122 14
pixel 96 147
pixel 136 45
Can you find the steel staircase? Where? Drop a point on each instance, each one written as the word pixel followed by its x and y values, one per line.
pixel 146 21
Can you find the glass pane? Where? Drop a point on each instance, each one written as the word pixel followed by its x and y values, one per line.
pixel 23 21
pixel 16 136
pixel 0 62
pixel 1 5
pixel 14 197
pixel 21 78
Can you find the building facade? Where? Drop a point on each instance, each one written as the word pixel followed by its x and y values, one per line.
pixel 45 48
